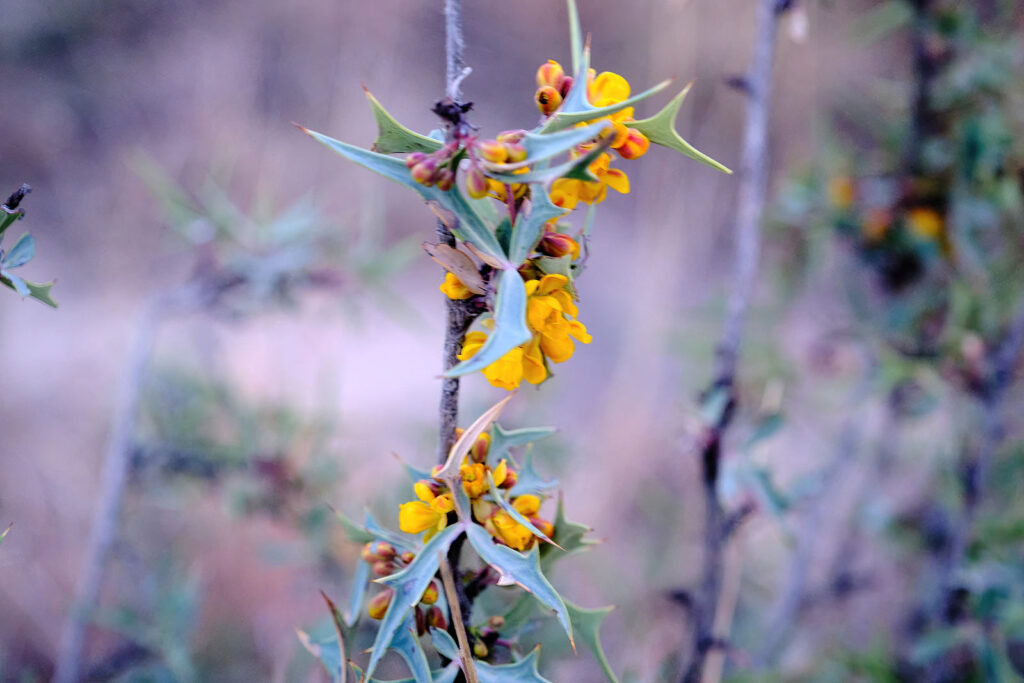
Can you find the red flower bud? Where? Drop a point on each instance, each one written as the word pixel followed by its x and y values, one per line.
pixel 435 618
pixel 408 556
pixel 556 244
pixel 414 158
pixel 379 604
pixel 507 136
pixel 516 152
pixel 445 179
pixel 550 74
pixel 430 594
pixel 476 182
pixel 424 172
pixel 492 151
pixel 635 146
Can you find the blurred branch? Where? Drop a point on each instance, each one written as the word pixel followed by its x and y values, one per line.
pixel 753 181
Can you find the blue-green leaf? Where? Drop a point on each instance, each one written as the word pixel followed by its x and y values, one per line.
pixel 470 228
pixel 382 533
pixel 521 569
pixel 21 253
pixel 661 130
pixel 513 513
pixel 445 675
pixel 354 531
pixel 523 671
pixel 571 536
pixel 502 441
pixel 444 643
pixel 327 650
pixel 587 623
pixel 409 585
pixel 510 329
pixel 573 168
pixel 15 283
pixel 529 481
pixel 530 228
pixel 393 137
pixel 359 584
pixel 40 291
pixel 407 645
pixel 575 35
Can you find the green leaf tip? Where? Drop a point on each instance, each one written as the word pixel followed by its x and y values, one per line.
pixel 587 623
pixel 510 329
pixel 660 129
pixel 393 137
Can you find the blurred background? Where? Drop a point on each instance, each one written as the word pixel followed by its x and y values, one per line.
pixel 159 144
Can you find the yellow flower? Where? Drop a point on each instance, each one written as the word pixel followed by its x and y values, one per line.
pixel 506 372
pixel 429 513
pixel 453 288
pixel 506 529
pixel 926 223
pixel 608 89
pixel 841 192
pixel 474 479
pixel 551 313
pixel 567 192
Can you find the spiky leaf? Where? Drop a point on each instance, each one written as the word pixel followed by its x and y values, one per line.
pixel 661 130
pixel 523 671
pixel 541 147
pixel 393 137
pixel 513 513
pixel 21 253
pixel 470 226
pixel 529 481
pixel 570 536
pixel 407 645
pixel 587 623
pixel 502 441
pixel 524 570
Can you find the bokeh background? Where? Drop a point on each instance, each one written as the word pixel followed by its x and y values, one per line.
pixel 255 418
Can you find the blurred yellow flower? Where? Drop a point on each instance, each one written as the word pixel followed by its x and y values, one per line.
pixel 453 288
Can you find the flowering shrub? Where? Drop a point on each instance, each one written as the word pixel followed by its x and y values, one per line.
pixel 506 199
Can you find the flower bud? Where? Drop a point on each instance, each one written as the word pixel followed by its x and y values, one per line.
pixel 510 480
pixel 516 152
pixel 383 568
pixel 424 172
pixel 497 622
pixel 445 179
pixel 556 244
pixel 543 526
pixel 566 85
pixel 379 604
pixel 508 136
pixel 408 556
pixel 421 622
pixel 414 159
pixel 635 145
pixel 548 99
pixel 480 448
pixel 369 553
pixel 492 151
pixel 480 650
pixel 550 74
pixel 430 594
pixel 435 618
pixel 476 182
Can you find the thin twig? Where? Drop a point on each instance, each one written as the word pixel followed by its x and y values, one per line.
pixel 468 667
pixel 752 190
pixel 114 479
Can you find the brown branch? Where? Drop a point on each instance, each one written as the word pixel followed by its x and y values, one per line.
pixel 466 655
pixel 751 200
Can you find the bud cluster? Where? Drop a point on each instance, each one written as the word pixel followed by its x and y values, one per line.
pixel 552 87
pixel 436 168
pixel 506 148
pixel 387 561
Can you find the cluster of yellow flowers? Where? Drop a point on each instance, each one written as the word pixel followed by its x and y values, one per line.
pixel 604 89
pixel 922 221
pixel 430 513
pixel 551 316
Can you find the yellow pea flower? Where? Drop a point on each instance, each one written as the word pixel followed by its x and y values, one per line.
pixel 453 288
pixel 474 479
pixel 503 527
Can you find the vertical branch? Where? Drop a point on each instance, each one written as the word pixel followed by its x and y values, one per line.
pixel 458 316
pixel 112 485
pixel 751 200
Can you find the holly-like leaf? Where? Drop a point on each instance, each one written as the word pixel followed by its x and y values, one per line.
pixel 354 531
pixel 15 283
pixel 587 623
pixel 570 536
pixel 409 585
pixel 339 675
pixel 360 582
pixel 530 228
pixel 393 137
pixel 510 329
pixel 327 651
pixel 502 441
pixel 523 671
pixel 382 533
pixel 576 108
pixel 661 130
pixel 407 645
pixel 523 570
pixel 470 227
pixel 444 643
pixel 529 481
pixel 513 513
pixel 445 675
pixel 21 253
